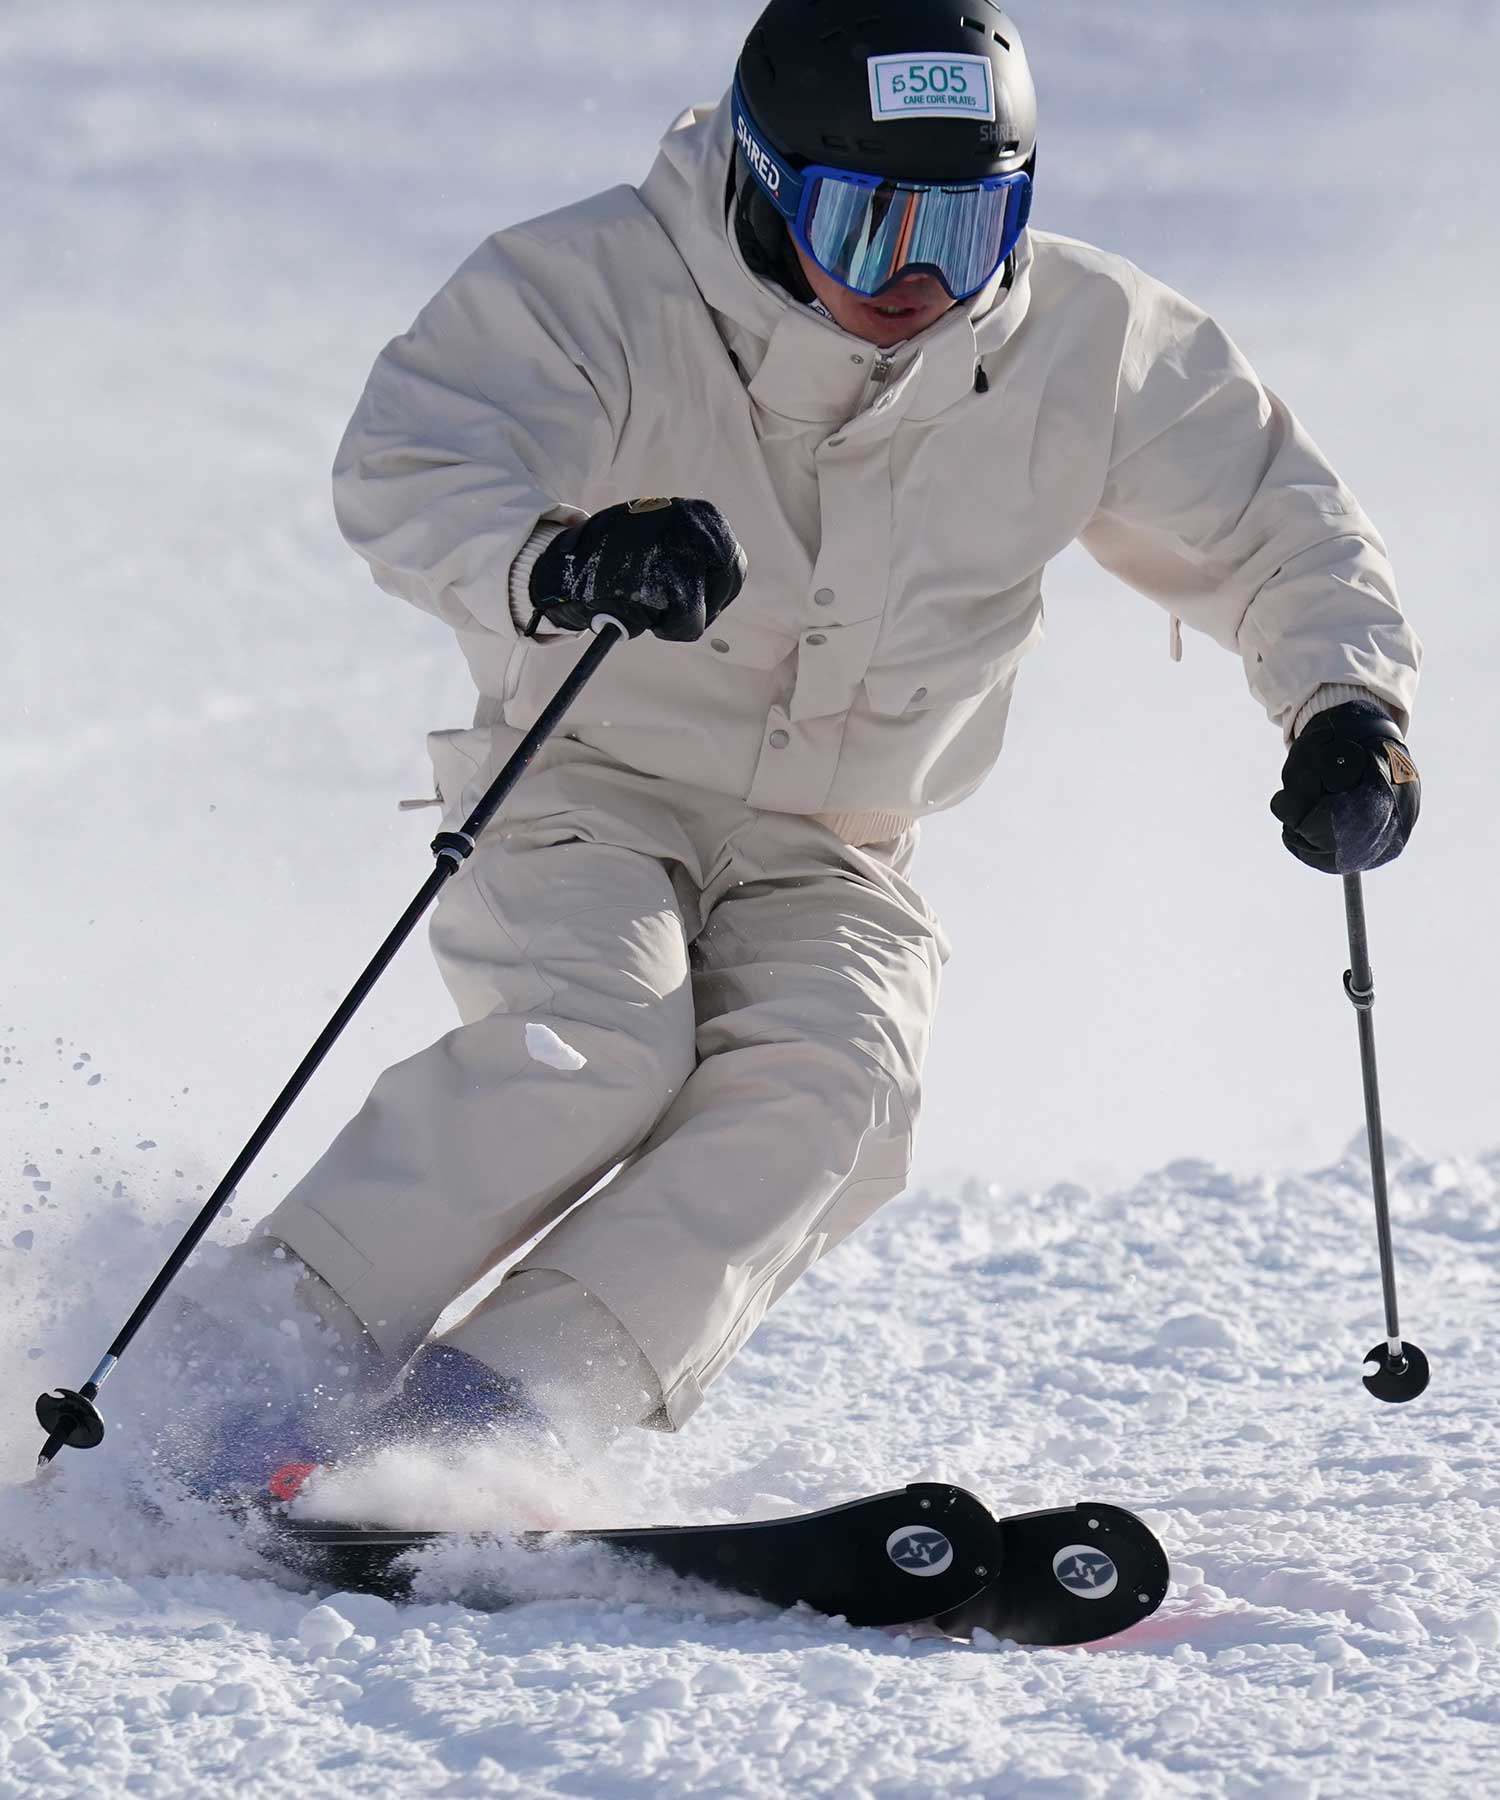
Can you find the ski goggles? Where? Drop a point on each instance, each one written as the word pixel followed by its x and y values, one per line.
pixel 868 232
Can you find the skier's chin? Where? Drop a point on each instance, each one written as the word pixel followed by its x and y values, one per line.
pixel 893 318
pixel 884 320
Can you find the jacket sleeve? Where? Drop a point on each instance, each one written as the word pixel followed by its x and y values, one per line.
pixel 1220 507
pixel 482 421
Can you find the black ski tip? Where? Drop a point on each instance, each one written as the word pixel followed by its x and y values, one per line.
pixel 1069 1576
pixel 1397 1378
pixel 68 1419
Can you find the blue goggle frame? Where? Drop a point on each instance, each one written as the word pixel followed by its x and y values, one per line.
pixel 961 233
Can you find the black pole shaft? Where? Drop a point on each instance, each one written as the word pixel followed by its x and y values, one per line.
pixel 283 1104
pixel 451 849
pixel 1359 984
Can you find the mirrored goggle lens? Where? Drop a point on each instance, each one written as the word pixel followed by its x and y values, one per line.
pixel 868 237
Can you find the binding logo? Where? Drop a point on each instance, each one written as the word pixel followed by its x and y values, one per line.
pixel 919 1550
pixel 763 165
pixel 1085 1572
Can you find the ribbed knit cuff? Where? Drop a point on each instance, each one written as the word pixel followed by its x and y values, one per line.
pixel 860 830
pixel 1326 698
pixel 530 555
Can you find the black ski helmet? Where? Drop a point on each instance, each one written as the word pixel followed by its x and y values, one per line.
pixel 805 73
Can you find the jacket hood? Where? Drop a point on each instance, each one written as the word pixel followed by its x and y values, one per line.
pixel 687 191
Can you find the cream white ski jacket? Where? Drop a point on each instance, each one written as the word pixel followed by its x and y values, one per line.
pixel 898 509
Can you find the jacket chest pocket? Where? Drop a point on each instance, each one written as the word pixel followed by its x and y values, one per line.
pixel 745 641
pixel 958 669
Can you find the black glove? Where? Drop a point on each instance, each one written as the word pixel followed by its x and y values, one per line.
pixel 1350 792
pixel 667 566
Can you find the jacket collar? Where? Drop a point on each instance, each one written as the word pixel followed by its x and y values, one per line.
pixel 796 363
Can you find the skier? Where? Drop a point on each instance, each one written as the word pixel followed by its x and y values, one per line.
pixel 690 950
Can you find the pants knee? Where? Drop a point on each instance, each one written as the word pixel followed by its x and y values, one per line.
pixel 824 1088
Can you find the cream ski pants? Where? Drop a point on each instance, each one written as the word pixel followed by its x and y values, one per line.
pixel 752 1001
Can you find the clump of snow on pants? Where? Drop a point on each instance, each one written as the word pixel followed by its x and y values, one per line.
pixel 543 1045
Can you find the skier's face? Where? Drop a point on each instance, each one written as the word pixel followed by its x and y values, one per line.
pixel 902 311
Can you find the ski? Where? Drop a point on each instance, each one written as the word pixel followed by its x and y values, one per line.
pixel 926 1553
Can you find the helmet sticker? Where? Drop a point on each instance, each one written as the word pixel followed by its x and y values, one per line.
pixel 911 87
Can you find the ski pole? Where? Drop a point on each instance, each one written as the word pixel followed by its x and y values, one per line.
pixel 70 1417
pixel 1402 1372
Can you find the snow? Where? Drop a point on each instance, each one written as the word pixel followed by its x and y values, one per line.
pixel 323 1630
pixel 543 1045
pixel 207 716
pixel 1332 1627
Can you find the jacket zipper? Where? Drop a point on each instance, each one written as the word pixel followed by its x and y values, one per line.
pixel 880 374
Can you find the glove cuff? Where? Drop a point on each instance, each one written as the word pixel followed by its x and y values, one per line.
pixel 1332 695
pixel 529 556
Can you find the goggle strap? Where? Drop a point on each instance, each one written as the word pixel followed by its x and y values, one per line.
pixel 779 181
